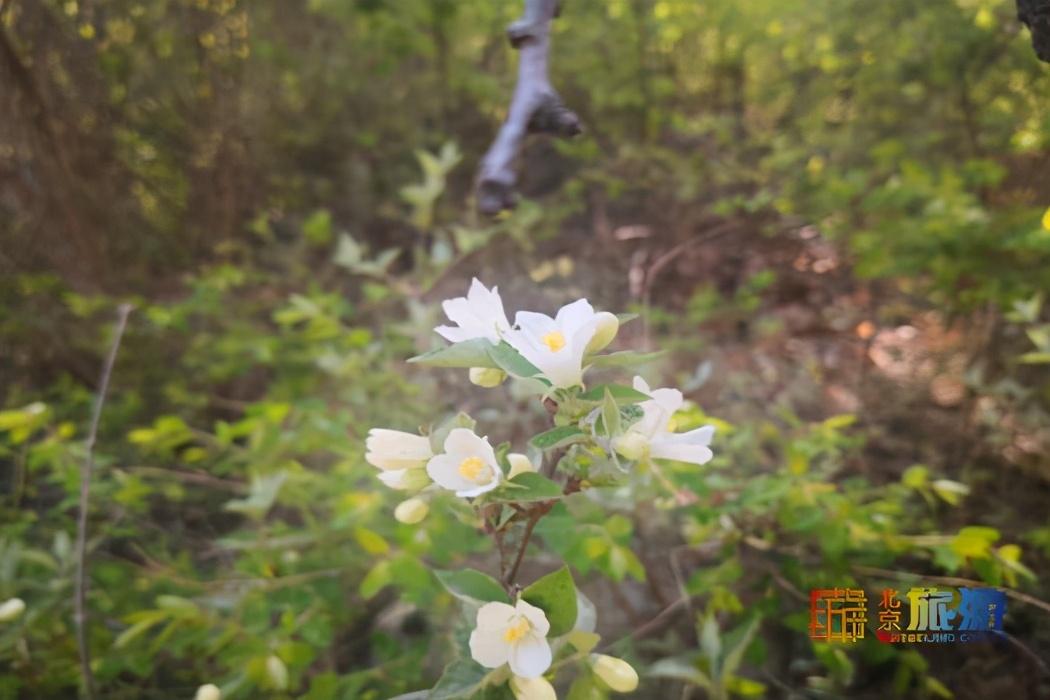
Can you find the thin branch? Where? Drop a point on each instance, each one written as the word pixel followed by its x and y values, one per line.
pixel 535 107
pixel 533 519
pixel 80 582
pixel 950 581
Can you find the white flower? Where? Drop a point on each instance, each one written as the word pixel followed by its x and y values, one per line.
pixel 615 673
pixel 480 314
pixel 652 434
pixel 468 465
pixel 519 464
pixel 538 688
pixel 208 691
pixel 558 345
pixel 405 479
pixel 514 635
pixel 411 511
pixel 12 609
pixel 394 450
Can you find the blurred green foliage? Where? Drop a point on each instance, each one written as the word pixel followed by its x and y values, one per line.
pixel 281 187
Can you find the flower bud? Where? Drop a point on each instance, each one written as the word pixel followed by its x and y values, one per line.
pixel 208 692
pixel 277 672
pixel 608 327
pixel 631 445
pixel 532 688
pixel 405 479
pixel 12 609
pixel 519 464
pixel 411 511
pixel 487 377
pixel 615 673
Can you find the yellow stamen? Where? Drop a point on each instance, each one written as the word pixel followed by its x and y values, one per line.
pixel 554 340
pixel 474 469
pixel 672 425
pixel 516 631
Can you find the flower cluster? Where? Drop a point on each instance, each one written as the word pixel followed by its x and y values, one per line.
pixel 518 633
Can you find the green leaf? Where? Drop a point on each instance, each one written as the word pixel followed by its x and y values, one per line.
pixel 974 541
pixel 318 227
pixel 626 358
pixel 152 618
pixel 261 495
pixel 1035 358
pixel 440 434
pixel 585 687
pixel 469 353
pixel 682 670
pixel 558 437
pixel 738 685
pixel 472 586
pixel 583 641
pixel 375 580
pixel 526 488
pixel 510 361
pixel 735 656
pixel 623 394
pixel 555 594
pixel 625 318
pixel 461 679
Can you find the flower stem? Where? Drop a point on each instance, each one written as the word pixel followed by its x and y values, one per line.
pixel 534 518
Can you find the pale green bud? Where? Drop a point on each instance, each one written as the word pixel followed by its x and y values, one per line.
pixel 411 511
pixel 519 464
pixel 487 377
pixel 608 327
pixel 615 673
pixel 532 688
pixel 208 692
pixel 12 609
pixel 631 445
pixel 277 672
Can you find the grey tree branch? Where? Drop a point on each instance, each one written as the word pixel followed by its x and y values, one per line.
pixel 80 582
pixel 535 107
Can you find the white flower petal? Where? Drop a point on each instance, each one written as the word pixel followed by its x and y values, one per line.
pixel 397 443
pixel 495 616
pixel 477 490
pixel 488 304
pixel 534 324
pixel 379 462
pixel 666 449
pixel 530 657
pixel 642 386
pixel 444 469
pixel 462 442
pixel 393 478
pixel 480 314
pixel 670 400
pixel 536 617
pixel 698 436
pixel 453 335
pixel 488 648
pixel 575 314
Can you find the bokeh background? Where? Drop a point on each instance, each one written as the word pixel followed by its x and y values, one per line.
pixel 829 212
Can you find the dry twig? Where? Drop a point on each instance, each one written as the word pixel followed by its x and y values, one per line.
pixel 80 581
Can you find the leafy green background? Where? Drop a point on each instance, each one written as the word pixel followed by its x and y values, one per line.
pixel 828 213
